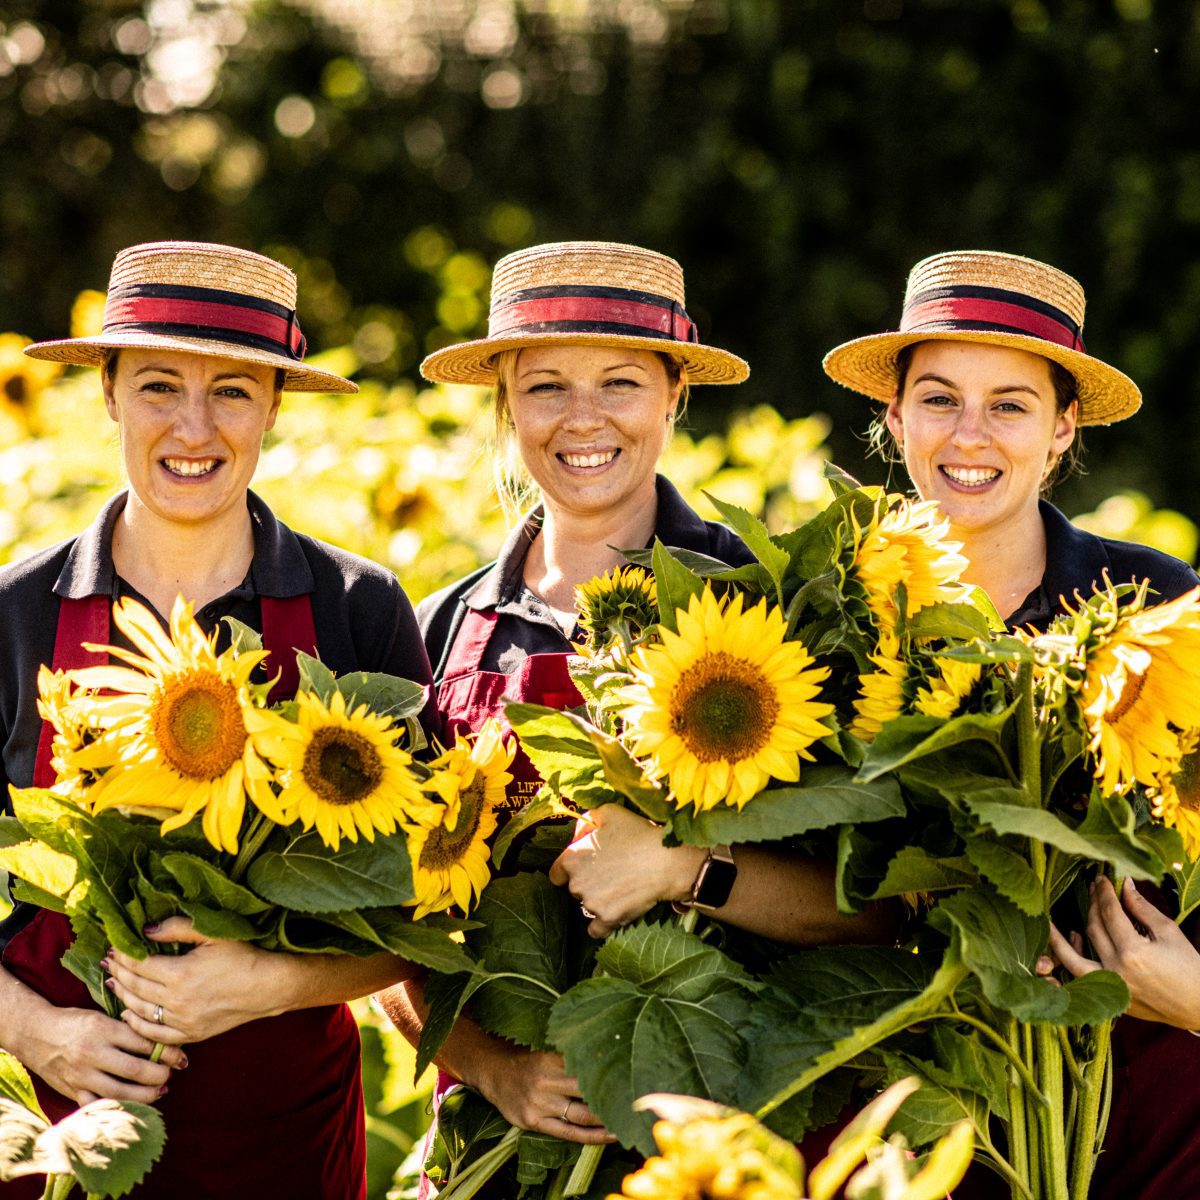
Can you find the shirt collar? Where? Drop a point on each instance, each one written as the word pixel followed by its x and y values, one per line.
pixel 676 524
pixel 279 567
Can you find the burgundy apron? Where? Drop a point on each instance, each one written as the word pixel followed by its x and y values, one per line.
pixel 272 1108
pixel 467 697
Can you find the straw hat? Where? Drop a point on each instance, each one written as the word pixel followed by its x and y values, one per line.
pixel 201 298
pixel 998 299
pixel 586 294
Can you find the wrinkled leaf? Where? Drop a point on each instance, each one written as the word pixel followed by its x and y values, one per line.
pixel 202 881
pixel 675 584
pixel 315 677
pixel 914 869
pixel 1009 872
pixel 242 638
pixel 35 862
pixel 387 695
pixel 906 739
pixel 756 536
pixel 16 1084
pixel 540 1153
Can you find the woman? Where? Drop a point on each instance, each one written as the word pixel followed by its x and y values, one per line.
pixel 986 383
pixel 590 351
pixel 198 343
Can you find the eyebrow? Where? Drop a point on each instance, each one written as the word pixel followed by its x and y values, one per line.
pixel 157 370
pixel 1004 389
pixel 554 370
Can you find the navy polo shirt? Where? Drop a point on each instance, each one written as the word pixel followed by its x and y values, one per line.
pixel 526 625
pixel 363 619
pixel 1078 561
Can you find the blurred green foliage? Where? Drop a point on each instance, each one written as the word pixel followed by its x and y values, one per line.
pixel 797 157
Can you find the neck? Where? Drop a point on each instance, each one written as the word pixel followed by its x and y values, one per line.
pixel 164 559
pixel 575 547
pixel 1007 562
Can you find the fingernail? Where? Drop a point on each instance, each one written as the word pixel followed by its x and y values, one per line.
pixel 162 1091
pixel 1044 964
pixel 106 964
pixel 151 928
pixel 183 1062
pixel 111 984
pixel 1132 887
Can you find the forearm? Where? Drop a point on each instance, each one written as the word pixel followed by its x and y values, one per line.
pixel 310 980
pixel 792 898
pixel 22 1013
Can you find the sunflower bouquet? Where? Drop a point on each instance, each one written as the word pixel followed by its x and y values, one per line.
pixel 848 697
pixel 306 826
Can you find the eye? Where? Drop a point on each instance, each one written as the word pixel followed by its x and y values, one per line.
pixel 620 381
pixel 1010 406
pixel 938 400
pixel 233 391
pixel 546 387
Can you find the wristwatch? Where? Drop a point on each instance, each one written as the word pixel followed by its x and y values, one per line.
pixel 714 881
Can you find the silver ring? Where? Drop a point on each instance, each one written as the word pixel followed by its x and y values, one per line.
pixel 587 912
pixel 158 1014
pixel 567 1109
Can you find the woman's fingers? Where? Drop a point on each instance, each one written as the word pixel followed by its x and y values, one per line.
pixel 1069 956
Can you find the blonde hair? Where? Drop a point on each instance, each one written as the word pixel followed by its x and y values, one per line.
pixel 514 485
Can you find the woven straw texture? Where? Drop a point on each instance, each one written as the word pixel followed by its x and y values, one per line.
pixel 595 264
pixel 868 364
pixel 197 264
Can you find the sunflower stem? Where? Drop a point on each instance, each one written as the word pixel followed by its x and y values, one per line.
pixel 260 829
pixel 466 1185
pixel 1050 1068
pixel 688 919
pixel 1091 1117
pixel 583 1171
pixel 1018 1134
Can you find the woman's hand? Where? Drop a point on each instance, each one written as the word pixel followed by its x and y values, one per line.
pixel 1157 961
pixel 218 985
pixel 85 1055
pixel 533 1091
pixel 617 867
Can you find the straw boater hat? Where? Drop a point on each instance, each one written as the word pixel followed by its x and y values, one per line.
pixel 202 298
pixel 586 294
pixel 999 299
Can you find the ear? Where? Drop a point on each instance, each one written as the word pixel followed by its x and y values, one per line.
pixel 273 413
pixel 110 399
pixel 1064 428
pixel 894 419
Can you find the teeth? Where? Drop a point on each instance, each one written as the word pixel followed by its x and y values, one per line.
pixel 589 460
pixel 972 476
pixel 189 466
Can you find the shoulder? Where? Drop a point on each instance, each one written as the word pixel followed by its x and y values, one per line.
pixel 724 544
pixel 1133 563
pixel 359 579
pixel 680 526
pixel 34 575
pixel 440 613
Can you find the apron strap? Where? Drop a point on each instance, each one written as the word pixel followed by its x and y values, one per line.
pixel 287 626
pixel 79 620
pixel 470 643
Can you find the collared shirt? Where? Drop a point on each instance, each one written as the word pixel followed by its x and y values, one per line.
pixel 362 617
pixel 1078 561
pixel 526 624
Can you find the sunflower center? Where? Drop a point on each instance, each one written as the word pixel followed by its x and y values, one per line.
pixel 723 708
pixel 444 848
pixel 341 766
pixel 198 725
pixel 1129 696
pixel 16 390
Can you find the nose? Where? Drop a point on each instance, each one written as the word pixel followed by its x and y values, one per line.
pixel 584 411
pixel 970 430
pixel 194 425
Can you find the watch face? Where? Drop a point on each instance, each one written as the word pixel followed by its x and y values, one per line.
pixel 715 883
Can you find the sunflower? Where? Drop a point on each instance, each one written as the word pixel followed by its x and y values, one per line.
pixel 340 770
pixel 943 694
pixel 450 853
pixel 1139 689
pixel 713 1159
pixel 623 599
pixel 906 545
pixel 724 704
pixel 177 735
pixel 881 696
pixel 1175 796
pixel 22 378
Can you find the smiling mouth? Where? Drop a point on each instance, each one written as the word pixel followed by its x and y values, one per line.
pixel 971 477
pixel 600 459
pixel 191 468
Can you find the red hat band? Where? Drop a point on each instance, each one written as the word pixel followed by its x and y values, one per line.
pixel 966 308
pixel 584 309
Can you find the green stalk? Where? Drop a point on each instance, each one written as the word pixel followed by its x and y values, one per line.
pixel 1033 1139
pixel 1089 1128
pixel 1014 1059
pixel 584 1170
pixel 466 1185
pixel 1018 1134
pixel 58 1187
pixel 1050 1071
pixel 260 829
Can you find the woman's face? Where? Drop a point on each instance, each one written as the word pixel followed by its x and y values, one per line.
pixel 978 426
pixel 591 422
pixel 191 429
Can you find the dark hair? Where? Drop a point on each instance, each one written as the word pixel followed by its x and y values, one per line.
pixel 113 353
pixel 1066 392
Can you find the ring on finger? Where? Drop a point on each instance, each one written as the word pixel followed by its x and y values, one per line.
pixel 158 1014
pixel 567 1109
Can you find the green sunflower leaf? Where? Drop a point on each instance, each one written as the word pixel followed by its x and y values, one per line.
pixel 1009 872
pixel 757 537
pixel 386 695
pixel 906 739
pixel 309 877
pixel 559 747
pixel 676 585
pixel 521 943
pixel 929 1112
pixel 201 881
pixel 665 1014
pixel 47 869
pixel 830 796
pixel 424 942
pixel 315 677
pixel 16 1084
pixel 242 638
pixel 108 1145
pixel 963 621
pixel 540 1153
